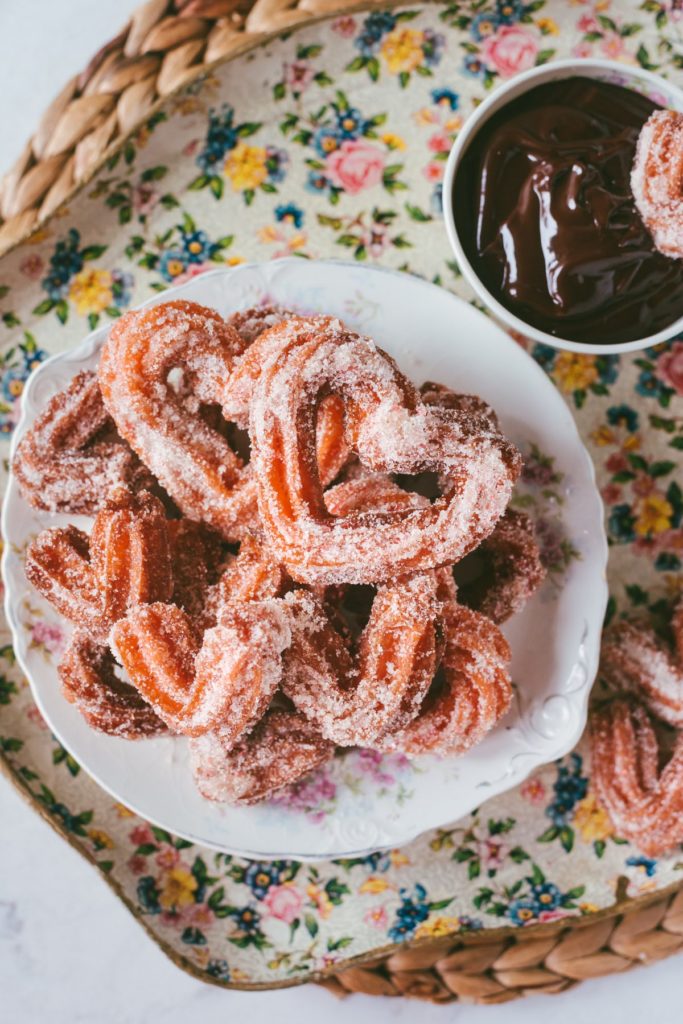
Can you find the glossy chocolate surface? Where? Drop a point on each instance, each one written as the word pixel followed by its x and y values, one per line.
pixel 544 209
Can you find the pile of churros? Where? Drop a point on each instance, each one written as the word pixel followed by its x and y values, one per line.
pixel 278 516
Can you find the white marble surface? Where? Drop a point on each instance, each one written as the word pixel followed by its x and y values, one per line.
pixel 69 951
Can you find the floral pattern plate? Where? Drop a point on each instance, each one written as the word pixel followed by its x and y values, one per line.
pixel 378 802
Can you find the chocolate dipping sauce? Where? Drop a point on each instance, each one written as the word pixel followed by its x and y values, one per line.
pixel 544 210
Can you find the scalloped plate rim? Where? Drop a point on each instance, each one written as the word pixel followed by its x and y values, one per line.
pixel 511 777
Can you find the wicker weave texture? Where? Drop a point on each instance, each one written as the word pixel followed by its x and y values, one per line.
pixel 166 44
pixel 497 971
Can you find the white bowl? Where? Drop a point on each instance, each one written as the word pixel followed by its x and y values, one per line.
pixel 555 641
pixel 658 89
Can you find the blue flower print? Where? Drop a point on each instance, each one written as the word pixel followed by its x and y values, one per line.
pixel 648 865
pixel 623 416
pixel 317 182
pixel 509 11
pixel 621 524
pixel 483 25
pixel 473 66
pixel 447 97
pixel 247 919
pixel 197 246
pixel 218 969
pixel 289 213
pixel 327 139
pixel 65 261
pixel 260 876
pixel 375 26
pixel 221 137
pixel 172 263
pixel 412 912
pixel 570 787
pixel 547 896
pixel 522 911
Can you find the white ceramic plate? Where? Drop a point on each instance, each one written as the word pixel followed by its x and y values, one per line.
pixel 364 802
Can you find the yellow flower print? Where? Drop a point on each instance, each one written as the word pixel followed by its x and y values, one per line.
pixel 453 124
pixel 200 956
pixel 398 859
pixel 402 50
pixel 548 27
pixel 574 372
pixel 91 292
pixel 591 820
pixel 588 908
pixel 426 116
pixel 101 839
pixel 122 811
pixel 486 27
pixel 175 267
pixel 393 141
pixel 234 261
pixel 438 926
pixel 246 167
pixel 604 435
pixel 177 888
pixel 632 442
pixel 374 885
pixel 654 514
pixel 320 899
pixel 268 234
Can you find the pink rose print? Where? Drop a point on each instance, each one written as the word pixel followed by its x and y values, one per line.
pixel 439 142
pixel 355 166
pixel 167 858
pixel 32 266
pixel 493 852
pixel 34 715
pixel 194 270
pixel 588 23
pixel 668 540
pixel 344 27
pixel 670 367
pixel 611 494
pixel 510 50
pixel 47 635
pixel 433 171
pixel 553 915
pixel 298 75
pixel 284 902
pixel 534 791
pixel 376 917
pixel 582 50
pixel 643 485
pixel 141 835
pixel 145 198
pixel 137 864
pixel 612 45
pixel 616 462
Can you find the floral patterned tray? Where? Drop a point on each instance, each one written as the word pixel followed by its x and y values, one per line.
pixel 332 142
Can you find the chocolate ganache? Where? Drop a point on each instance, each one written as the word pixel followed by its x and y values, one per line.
pixel 543 206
